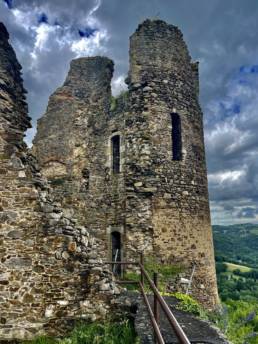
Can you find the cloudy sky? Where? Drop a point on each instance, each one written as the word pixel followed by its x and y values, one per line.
pixel 222 35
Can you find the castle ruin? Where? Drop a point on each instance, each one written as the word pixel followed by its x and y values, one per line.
pixel 108 178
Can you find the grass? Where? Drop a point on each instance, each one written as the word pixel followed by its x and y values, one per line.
pixel 254 231
pixel 112 332
pixel 131 276
pixel 188 304
pixel 96 333
pixel 113 103
pixel 41 340
pixel 238 321
pixel 242 268
pixel 151 265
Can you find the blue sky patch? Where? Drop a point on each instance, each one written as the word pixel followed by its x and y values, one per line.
pixel 9 3
pixel 242 69
pixel 254 69
pixel 248 69
pixel 56 23
pixel 42 18
pixel 247 212
pixel 87 32
pixel 243 82
pixel 236 108
pixel 227 111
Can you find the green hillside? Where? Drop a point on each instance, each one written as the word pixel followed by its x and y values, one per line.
pixel 236 252
pixel 237 244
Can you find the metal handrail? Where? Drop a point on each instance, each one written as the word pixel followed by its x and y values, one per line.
pixel 155 325
pixel 158 299
pixel 170 316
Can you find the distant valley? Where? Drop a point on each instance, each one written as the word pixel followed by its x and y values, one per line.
pixel 236 254
pixel 237 244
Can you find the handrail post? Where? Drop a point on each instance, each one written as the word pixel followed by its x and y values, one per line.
pixel 142 264
pixel 155 300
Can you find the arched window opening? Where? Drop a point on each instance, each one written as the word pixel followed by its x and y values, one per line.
pixel 116 252
pixel 115 140
pixel 176 137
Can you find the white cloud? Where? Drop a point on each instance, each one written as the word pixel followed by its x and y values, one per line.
pixel 221 177
pixel 25 19
pixel 43 32
pixel 118 85
pixel 232 142
pixel 94 44
pixel 52 36
pixel 45 48
pixel 232 147
pixel 95 8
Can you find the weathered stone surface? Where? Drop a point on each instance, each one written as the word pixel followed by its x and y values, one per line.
pixel 158 205
pixel 59 143
pixel 56 227
pixel 44 268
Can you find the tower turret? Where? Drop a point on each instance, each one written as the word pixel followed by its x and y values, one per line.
pixel 169 152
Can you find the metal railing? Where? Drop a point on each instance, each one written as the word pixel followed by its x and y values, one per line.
pixel 158 300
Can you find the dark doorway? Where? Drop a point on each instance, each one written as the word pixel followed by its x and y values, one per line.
pixel 116 248
pixel 116 153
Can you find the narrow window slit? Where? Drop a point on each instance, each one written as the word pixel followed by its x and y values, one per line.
pixel 116 154
pixel 176 137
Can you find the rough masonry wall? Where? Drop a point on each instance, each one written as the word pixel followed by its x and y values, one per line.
pixel 79 115
pixel 158 205
pixel 75 111
pixel 50 270
pixel 164 81
pixel 70 133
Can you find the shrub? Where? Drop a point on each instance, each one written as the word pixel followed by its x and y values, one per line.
pixel 113 103
pixel 42 340
pixel 151 265
pixel 96 333
pixel 242 322
pixel 102 333
pixel 188 304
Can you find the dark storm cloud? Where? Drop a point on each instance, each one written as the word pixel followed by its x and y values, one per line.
pixel 222 35
pixel 247 212
pixel 87 32
pixel 9 3
pixel 42 18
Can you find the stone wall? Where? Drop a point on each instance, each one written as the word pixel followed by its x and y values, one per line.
pixel 164 81
pixel 51 270
pixel 157 204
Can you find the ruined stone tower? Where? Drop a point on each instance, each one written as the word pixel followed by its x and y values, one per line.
pixel 50 268
pixel 132 169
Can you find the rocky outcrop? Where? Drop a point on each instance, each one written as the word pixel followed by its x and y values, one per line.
pixel 51 270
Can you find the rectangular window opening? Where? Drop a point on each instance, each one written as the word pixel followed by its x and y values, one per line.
pixel 115 154
pixel 176 137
